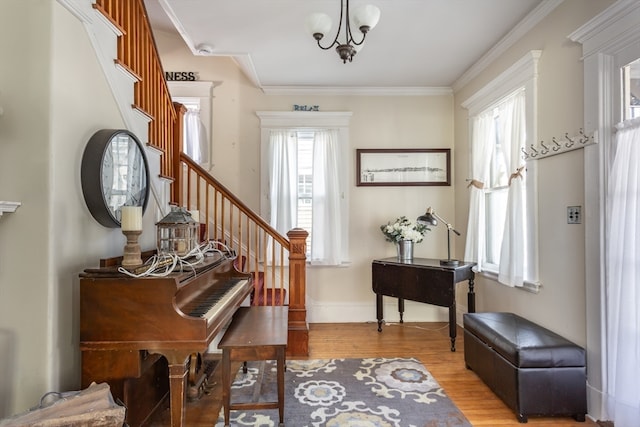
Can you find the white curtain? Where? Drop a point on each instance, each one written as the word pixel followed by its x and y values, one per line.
pixel 482 140
pixel 622 342
pixel 326 244
pixel 196 143
pixel 512 253
pixel 283 178
pixel 505 121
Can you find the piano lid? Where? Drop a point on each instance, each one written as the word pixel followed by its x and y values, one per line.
pixel 111 271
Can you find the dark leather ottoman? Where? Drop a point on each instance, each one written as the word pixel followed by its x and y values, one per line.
pixel 532 369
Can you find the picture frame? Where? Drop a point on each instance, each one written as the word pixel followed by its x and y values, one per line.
pixel 403 167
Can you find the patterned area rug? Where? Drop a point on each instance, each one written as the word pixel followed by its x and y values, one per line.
pixel 346 392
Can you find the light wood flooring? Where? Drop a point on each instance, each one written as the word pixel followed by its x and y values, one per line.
pixel 428 342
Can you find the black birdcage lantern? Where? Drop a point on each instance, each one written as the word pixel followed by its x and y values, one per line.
pixel 177 233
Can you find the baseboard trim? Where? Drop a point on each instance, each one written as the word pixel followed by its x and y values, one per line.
pixel 345 312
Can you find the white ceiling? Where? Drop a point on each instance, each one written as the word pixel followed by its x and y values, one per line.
pixel 417 44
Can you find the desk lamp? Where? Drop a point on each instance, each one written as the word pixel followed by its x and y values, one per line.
pixel 430 217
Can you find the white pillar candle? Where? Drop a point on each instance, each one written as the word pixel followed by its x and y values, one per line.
pixel 131 218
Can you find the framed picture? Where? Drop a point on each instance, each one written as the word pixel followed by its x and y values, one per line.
pixel 398 167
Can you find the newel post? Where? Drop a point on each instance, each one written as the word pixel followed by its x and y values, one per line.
pixel 298 337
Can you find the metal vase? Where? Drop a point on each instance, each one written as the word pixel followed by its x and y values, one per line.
pixel 405 250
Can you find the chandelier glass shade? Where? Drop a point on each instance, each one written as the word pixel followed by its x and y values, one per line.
pixel 364 18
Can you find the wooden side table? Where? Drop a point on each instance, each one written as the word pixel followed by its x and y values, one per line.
pixel 255 333
pixel 422 280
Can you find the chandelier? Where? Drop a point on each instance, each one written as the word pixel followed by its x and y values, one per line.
pixel 364 19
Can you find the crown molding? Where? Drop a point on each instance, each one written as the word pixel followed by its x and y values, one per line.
pixel 530 21
pixel 357 91
pixel 613 29
pixel 246 65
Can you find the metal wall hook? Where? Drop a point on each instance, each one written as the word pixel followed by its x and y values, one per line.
pixel 545 149
pixel 583 138
pixel 571 141
pixel 542 150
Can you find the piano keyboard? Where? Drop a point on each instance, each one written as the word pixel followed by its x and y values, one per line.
pixel 213 303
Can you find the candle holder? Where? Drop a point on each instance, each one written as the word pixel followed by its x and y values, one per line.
pixel 132 256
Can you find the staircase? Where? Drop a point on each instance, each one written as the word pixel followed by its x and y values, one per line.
pixel 124 43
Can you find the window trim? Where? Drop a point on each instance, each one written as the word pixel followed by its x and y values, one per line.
pixel 202 91
pixel 311 120
pixel 523 73
pixel 606 42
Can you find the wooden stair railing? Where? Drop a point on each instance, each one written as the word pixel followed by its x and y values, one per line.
pixel 278 264
pixel 137 53
pixel 278 261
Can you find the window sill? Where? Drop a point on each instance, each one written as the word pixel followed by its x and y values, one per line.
pixel 528 286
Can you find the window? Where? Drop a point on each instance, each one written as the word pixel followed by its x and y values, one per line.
pixel 196 96
pixel 495 195
pixel 631 90
pixel 501 234
pixel 304 179
pixel 304 215
pixel 195 140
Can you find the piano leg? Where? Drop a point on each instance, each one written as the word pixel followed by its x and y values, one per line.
pixel 177 375
pixel 177 385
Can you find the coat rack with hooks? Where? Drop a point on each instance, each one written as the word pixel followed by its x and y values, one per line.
pixel 559 145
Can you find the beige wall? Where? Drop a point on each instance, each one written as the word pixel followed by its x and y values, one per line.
pixel 560 304
pixel 344 294
pixel 334 294
pixel 54 97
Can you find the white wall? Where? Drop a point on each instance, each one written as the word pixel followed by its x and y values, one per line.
pixel 560 304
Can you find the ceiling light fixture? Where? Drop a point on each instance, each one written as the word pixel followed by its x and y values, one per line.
pixel 364 18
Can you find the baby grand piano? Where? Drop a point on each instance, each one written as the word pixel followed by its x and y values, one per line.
pixel 143 335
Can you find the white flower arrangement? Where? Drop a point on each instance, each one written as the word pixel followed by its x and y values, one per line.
pixel 403 229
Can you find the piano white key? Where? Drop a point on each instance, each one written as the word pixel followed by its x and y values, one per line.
pixel 211 314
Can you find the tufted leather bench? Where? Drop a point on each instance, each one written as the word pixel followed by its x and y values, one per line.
pixel 532 369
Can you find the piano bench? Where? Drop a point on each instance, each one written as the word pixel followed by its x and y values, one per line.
pixel 255 333
pixel 532 369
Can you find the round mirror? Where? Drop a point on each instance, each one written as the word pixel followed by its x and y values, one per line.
pixel 114 174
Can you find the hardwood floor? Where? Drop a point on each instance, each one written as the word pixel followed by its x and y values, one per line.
pixel 428 342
